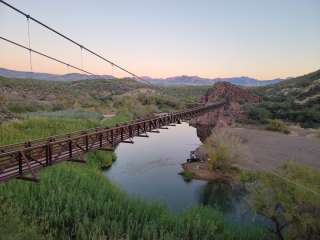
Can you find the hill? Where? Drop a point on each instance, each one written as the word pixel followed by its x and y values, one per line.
pixel 21 96
pixel 296 100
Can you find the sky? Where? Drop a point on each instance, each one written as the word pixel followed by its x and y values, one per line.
pixel 264 39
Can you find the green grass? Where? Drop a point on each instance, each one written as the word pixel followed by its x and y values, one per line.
pixel 117 119
pixel 33 128
pixel 40 127
pixel 70 113
pixel 101 159
pixel 14 226
pixel 76 201
pixel 187 175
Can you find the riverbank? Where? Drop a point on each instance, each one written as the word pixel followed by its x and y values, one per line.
pixel 263 150
pixel 200 170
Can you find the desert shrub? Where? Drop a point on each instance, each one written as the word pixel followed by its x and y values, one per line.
pixel 257 113
pixel 218 157
pixel 222 147
pixel 290 198
pixel 26 106
pixel 278 126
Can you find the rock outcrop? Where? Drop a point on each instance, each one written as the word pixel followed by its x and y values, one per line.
pixel 229 112
pixel 228 91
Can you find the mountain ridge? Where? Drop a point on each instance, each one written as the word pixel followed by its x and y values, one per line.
pixel 170 81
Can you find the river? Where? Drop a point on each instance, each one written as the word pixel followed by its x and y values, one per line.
pixel 149 169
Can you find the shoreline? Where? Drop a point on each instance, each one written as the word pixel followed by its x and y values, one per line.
pixel 200 171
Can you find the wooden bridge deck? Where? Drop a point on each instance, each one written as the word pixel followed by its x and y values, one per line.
pixel 17 160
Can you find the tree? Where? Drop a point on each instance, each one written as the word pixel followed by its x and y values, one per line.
pixel 290 198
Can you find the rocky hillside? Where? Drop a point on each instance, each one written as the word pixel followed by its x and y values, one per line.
pixel 231 110
pixel 296 100
pixel 228 91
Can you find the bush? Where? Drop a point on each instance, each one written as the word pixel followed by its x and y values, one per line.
pixel 187 175
pixel 278 126
pixel 257 113
pixel 222 147
pixel 219 157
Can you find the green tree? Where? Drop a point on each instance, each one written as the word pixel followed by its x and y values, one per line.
pixel 290 198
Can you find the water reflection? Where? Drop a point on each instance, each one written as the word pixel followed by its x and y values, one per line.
pixel 219 194
pixel 149 169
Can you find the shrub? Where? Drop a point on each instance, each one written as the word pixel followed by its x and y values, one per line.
pixel 219 157
pixel 278 126
pixel 100 159
pixel 222 147
pixel 257 113
pixel 187 175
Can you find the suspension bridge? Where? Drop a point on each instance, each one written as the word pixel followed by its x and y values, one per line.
pixel 23 159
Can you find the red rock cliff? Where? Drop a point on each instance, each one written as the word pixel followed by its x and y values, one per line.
pixel 224 115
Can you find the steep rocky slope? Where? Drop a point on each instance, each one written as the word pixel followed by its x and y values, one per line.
pixel 230 111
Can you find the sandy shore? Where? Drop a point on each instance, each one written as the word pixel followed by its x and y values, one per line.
pixel 263 150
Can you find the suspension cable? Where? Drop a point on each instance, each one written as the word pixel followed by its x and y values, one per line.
pixel 29 44
pixel 73 41
pixel 81 53
pixel 45 55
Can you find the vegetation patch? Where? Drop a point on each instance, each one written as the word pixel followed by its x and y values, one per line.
pixel 70 113
pixel 278 126
pixel 100 159
pixel 295 100
pixel 290 198
pixel 222 148
pixel 15 226
pixel 187 175
pixel 41 127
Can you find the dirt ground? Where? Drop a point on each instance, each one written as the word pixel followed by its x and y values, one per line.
pixel 266 149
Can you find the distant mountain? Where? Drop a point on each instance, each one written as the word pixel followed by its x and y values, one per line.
pixel 52 77
pixel 195 80
pixel 171 81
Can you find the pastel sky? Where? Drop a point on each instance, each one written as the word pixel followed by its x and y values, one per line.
pixel 264 39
